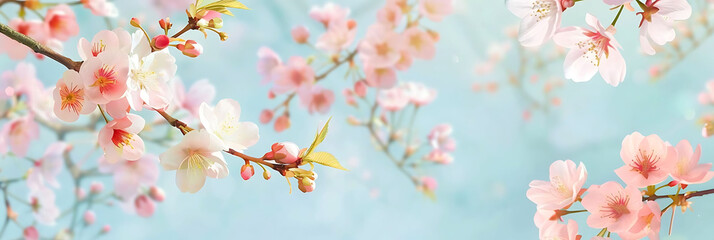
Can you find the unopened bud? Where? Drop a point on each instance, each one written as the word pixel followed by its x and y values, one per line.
pixel 266 175
pixel 157 194
pixel 247 171
pixel 160 42
pixel 165 24
pixel 135 22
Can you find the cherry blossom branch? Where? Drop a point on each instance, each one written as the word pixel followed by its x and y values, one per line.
pixel 39 48
pixel 337 64
pixel 685 195
pixel 384 147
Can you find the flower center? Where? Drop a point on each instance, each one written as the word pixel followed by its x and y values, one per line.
pixel 416 42
pixel 383 48
pixel 559 186
pixel 122 138
pixel 72 98
pixel 196 160
pixel 98 47
pixel 616 206
pixel 595 47
pixel 645 163
pixel 105 77
pixel 542 9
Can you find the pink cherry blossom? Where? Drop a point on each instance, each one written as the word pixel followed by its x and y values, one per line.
pixel 105 77
pixel 439 156
pixel 564 187
pixel 316 98
pixel 17 134
pixel 32 28
pixel 592 50
pixel 117 108
pixel 555 230
pixel 89 217
pixel 42 103
pixel 266 116
pixel 130 176
pixel 247 171
pixel 106 228
pixel 200 91
pixel 393 99
pixel 268 62
pixel 419 44
pixel 339 36
pixel 157 194
pixel 540 20
pixel 390 15
pixel 61 22
pixel 70 98
pixel 405 61
pixel 196 157
pixel 222 121
pixel 144 206
pixel 381 47
pixel 284 152
pixel 360 88
pixel 44 210
pixel 687 169
pixel 120 140
pixel 657 20
pixel 21 81
pixel 48 167
pixel 293 75
pixel 30 233
pixel 612 206
pixel 329 13
pixel 300 34
pixel 440 138
pixel 647 224
pixel 102 8
pixel 380 77
pixel 419 94
pixel 118 40
pixel 648 160
pixel 435 10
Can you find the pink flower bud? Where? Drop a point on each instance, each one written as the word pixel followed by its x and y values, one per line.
pixel 157 193
pixel 266 115
pixel 135 22
pixel 89 217
pixel 351 24
pixel 191 48
pixel 285 152
pixel 80 193
pixel 96 187
pixel 428 183
pixel 106 228
pixel 300 34
pixel 266 175
pixel 30 233
pixel 165 24
pixel 247 171
pixel 271 95
pixel 360 88
pixel 281 123
pixel 144 206
pixel 160 42
pixel 306 185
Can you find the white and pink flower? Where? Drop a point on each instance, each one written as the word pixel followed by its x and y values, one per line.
pixel 70 98
pixel 540 19
pixel 196 157
pixel 563 189
pixel 120 140
pixel 130 176
pixel 657 22
pixel 222 121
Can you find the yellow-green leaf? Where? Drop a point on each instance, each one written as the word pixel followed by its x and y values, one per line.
pixel 324 158
pixel 318 138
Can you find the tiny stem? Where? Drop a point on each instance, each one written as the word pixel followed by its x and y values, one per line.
pixel 106 120
pixel 614 21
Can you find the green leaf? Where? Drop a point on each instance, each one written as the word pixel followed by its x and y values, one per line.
pixel 324 158
pixel 318 138
pixel 223 5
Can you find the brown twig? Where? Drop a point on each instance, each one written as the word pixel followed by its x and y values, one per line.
pixel 39 48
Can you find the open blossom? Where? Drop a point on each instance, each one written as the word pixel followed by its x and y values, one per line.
pixel 300 34
pixel 418 43
pixel 43 205
pixel 70 98
pixel 32 28
pixel 118 40
pixel 329 13
pixel 102 8
pixel 647 225
pixel 117 108
pixel 380 77
pixel 540 20
pixel 130 176
pixel 564 187
pixel 201 91
pixel 316 98
pixel 149 76
pixel 381 47
pixel 390 14
pixel 61 22
pixel 268 62
pixel 46 169
pixel 105 77
pixel 592 50
pixel 658 17
pixel 17 134
pixel 393 99
pixel 555 230
pixel 196 157
pixel 435 10
pixel 339 36
pixel 21 81
pixel 294 74
pixel 648 160
pixel 120 140
pixel 440 138
pixel 687 169
pixel 222 122
pixel 42 104
pixel 419 94
pixel 612 206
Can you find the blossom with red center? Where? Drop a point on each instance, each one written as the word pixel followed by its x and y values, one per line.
pixel 105 77
pixel 657 21
pixel 648 160
pixel 611 206
pixel 120 140
pixel 61 22
pixel 687 169
pixel 564 187
pixel 381 47
pixel 118 40
pixel 17 134
pixel 419 44
pixel 295 74
pixel 592 50
pixel 70 98
pixel 32 28
pixel 316 98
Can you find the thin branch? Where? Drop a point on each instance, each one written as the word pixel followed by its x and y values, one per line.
pixel 39 48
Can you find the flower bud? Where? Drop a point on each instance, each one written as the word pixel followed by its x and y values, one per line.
pixel 135 22
pixel 96 187
pixel 285 152
pixel 89 217
pixel 165 24
pixel 157 194
pixel 106 228
pixel 300 34
pixel 351 24
pixel 266 115
pixel 306 184
pixel 223 36
pixel 80 193
pixel 428 184
pixel 352 120
pixel 203 23
pixel 144 206
pixel 33 4
pixel 247 171
pixel 160 42
pixel 30 233
pixel 360 88
pixel 216 23
pixel 266 175
pixel 281 123
pixel 191 48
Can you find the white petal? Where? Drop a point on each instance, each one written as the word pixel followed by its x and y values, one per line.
pixel 577 67
pixel 190 178
pixel 613 68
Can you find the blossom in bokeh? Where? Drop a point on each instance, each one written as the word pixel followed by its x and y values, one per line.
pixel 43 205
pixel 393 99
pixel 30 233
pixel 648 160
pixel 418 43
pixel 611 206
pixel 130 176
pixel 102 8
pixel 281 123
pixel 268 62
pixel 120 139
pixel 539 20
pixel 196 157
pixel 435 10
pixel 419 94
pixel 17 134
pixel 61 22
pixel 657 21
pixel 390 14
pixel 293 75
pixel 222 122
pixel 592 50
pixel 381 46
pixel 440 138
pixel 300 34
pixel 31 28
pixel 380 77
pixel 46 169
pixel 70 98
pixel 564 187
pixel 201 91
pixel 20 81
pixel 339 36
pixel 439 156
pixel 316 98
pixel 329 13
pixel 687 169
pixel 89 217
pixel 144 206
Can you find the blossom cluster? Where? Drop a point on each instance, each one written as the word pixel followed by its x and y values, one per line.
pixel 630 211
pixel 595 49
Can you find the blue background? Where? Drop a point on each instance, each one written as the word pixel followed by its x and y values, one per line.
pixel 480 196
